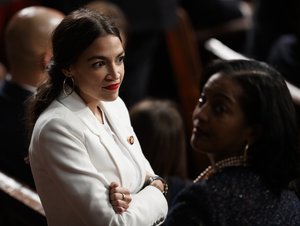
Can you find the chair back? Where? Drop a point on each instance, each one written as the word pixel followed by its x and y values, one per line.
pixel 186 64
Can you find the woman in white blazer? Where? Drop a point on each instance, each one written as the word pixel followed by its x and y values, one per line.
pixel 86 160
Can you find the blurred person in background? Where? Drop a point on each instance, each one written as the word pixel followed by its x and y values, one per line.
pixel 160 129
pixel 28 50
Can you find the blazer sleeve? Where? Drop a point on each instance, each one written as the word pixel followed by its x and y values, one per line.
pixel 63 154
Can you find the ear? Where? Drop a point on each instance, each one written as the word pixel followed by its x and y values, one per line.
pixel 45 59
pixel 67 72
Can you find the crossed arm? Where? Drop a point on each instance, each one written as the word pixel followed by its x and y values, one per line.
pixel 120 197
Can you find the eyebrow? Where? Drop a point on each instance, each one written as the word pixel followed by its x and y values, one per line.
pixel 102 57
pixel 219 94
pixel 226 97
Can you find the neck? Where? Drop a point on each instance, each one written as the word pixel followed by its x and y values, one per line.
pixel 218 166
pixel 98 113
pixel 28 78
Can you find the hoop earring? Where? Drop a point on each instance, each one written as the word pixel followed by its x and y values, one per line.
pixel 66 88
pixel 245 152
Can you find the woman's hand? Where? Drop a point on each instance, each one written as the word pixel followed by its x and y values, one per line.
pixel 148 175
pixel 119 197
pixel 156 183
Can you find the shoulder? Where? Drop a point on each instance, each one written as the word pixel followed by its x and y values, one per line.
pixel 191 206
pixel 238 193
pixel 230 176
pixel 13 93
pixel 206 200
pixel 57 119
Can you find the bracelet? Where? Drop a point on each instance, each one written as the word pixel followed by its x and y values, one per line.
pixel 156 177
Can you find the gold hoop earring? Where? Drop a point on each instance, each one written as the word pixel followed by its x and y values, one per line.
pixel 66 88
pixel 245 152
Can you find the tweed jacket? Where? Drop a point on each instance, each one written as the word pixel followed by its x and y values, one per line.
pixel 234 197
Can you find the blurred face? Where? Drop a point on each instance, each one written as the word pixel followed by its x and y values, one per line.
pixel 99 70
pixel 219 124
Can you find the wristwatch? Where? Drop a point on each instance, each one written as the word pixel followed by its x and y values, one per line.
pixel 156 177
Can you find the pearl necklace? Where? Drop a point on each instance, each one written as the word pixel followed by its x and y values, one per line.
pixel 233 161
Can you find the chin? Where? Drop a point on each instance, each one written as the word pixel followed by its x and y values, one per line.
pixel 198 146
pixel 110 98
pixel 195 144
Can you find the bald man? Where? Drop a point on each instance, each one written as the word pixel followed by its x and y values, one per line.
pixel 28 50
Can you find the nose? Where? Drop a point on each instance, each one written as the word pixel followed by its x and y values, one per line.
pixel 201 112
pixel 114 72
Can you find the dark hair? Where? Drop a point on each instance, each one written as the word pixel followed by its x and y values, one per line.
pixel 159 127
pixel 72 36
pixel 267 104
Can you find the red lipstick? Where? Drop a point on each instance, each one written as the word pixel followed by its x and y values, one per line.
pixel 112 87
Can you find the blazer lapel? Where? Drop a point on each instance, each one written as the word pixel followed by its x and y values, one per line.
pixel 79 108
pixel 122 128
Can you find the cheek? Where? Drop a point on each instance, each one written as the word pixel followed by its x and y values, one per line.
pixel 122 72
pixel 195 112
pixel 230 138
pixel 204 144
pixel 90 78
pixel 82 82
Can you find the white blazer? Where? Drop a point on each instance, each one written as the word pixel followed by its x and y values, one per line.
pixel 74 159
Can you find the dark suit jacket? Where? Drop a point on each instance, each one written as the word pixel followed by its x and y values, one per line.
pixel 13 139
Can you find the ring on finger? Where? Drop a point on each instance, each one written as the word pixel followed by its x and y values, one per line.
pixel 123 196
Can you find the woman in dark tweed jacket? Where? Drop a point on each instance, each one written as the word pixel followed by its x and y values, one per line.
pixel 246 123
